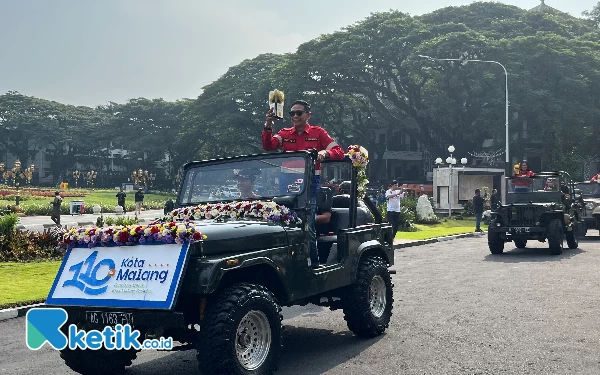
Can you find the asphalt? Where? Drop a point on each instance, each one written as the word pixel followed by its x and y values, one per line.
pixel 41 223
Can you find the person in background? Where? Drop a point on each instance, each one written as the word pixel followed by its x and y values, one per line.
pixel 478 209
pixel 139 201
pixel 169 206
pixel 596 178
pixel 121 198
pixel 494 200
pixel 393 206
pixel 56 203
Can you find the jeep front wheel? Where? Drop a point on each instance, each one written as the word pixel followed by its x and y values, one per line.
pixel 97 362
pixel 555 237
pixel 369 301
pixel 495 242
pixel 241 332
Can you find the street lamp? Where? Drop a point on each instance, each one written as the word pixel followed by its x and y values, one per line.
pixel 17 175
pixel 90 176
pixel 451 161
pixel 143 177
pixel 76 175
pixel 465 61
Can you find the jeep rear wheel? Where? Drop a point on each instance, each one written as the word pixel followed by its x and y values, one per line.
pixel 241 332
pixel 521 244
pixel 97 362
pixel 369 301
pixel 572 236
pixel 555 237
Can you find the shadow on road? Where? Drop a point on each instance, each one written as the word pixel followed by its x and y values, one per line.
pixel 312 350
pixel 536 254
pixel 317 350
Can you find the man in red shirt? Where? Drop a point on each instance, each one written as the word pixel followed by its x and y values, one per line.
pixel 523 186
pixel 303 136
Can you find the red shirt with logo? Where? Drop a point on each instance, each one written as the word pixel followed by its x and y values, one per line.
pixel 311 137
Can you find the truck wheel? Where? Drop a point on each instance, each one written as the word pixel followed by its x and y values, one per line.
pixel 241 332
pixel 555 237
pixel 572 237
pixel 495 243
pixel 97 362
pixel 369 301
pixel 521 244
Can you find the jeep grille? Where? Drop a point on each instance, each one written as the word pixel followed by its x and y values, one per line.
pixel 521 215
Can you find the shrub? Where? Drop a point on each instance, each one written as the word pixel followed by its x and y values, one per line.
pixel 23 246
pixel 406 218
pixel 468 209
pixel 8 224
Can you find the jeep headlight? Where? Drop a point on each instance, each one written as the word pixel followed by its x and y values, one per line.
pixel 589 206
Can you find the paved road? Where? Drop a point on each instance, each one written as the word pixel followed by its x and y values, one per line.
pixel 39 223
pixel 458 310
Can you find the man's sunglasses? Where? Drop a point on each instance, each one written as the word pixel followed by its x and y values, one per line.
pixel 297 113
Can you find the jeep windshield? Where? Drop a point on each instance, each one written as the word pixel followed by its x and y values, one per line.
pixel 589 189
pixel 246 179
pixel 537 189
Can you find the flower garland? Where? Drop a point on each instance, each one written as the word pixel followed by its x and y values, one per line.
pixel 270 211
pixel 360 158
pixel 157 232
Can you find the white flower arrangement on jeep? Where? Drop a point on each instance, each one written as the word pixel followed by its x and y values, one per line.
pixel 360 158
pixel 265 210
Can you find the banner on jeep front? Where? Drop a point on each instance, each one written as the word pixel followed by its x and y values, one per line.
pixel 120 276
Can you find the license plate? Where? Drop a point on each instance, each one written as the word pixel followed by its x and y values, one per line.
pixel 520 229
pixel 109 318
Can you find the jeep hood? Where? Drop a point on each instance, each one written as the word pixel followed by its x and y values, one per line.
pixel 240 235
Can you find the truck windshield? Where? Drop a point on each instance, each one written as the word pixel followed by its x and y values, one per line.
pixel 590 189
pixel 243 180
pixel 537 184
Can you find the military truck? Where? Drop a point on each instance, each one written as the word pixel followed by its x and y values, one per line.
pixel 543 208
pixel 228 305
pixel 590 195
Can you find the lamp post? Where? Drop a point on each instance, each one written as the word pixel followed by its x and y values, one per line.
pixel 17 175
pixel 507 166
pixel 76 175
pixel 451 161
pixel 143 177
pixel 90 176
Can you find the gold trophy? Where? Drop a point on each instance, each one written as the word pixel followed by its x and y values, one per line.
pixel 276 102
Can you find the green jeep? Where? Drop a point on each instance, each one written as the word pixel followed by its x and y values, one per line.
pixel 227 305
pixel 590 194
pixel 542 207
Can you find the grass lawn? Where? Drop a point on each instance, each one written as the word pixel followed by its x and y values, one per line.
pixel 445 228
pixel 25 283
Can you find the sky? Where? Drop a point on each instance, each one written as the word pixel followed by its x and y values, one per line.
pixel 86 52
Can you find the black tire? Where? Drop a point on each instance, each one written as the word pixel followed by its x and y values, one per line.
pixel 369 301
pixel 97 362
pixel 240 307
pixel 495 243
pixel 555 236
pixel 572 237
pixel 521 244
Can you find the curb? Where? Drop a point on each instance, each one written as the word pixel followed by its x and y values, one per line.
pixel 17 312
pixel 437 239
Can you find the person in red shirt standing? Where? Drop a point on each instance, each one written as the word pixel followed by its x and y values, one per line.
pixel 303 136
pixel 522 186
pixel 596 178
